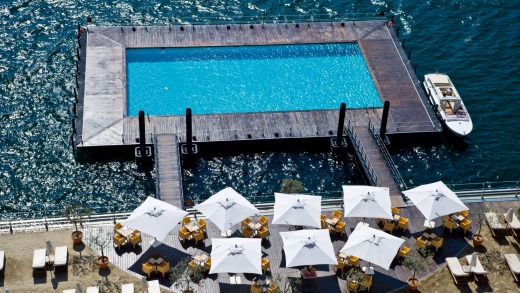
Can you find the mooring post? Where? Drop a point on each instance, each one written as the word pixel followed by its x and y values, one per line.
pixel 397 33
pixel 341 122
pixel 142 135
pixel 189 134
pixel 386 108
pixel 409 53
pixel 404 41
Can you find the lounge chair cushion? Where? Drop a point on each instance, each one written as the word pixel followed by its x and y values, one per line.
pixel 39 259
pixel 92 289
pixel 455 267
pixel 2 257
pixel 493 221
pixel 153 287
pixel 513 262
pixel 127 288
pixel 60 256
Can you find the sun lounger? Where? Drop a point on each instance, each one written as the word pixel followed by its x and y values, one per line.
pixel 127 288
pixel 2 262
pixel 456 271
pixel 478 271
pixel 153 287
pixel 515 224
pixel 60 258
pixel 38 264
pixel 514 265
pixel 498 229
pixel 92 289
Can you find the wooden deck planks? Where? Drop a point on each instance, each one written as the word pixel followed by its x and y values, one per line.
pixel 384 280
pixel 168 170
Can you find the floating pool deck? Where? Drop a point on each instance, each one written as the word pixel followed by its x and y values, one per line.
pixel 101 107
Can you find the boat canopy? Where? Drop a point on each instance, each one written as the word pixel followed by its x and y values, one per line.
pixel 439 79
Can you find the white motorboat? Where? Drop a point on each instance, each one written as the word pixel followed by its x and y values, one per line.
pixel 447 104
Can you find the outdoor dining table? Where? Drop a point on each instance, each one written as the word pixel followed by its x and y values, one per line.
pixel 156 260
pixel 125 231
pixel 457 218
pixel 332 221
pixel 192 226
pixel 200 259
pixel 343 256
pixel 429 236
pixel 254 225
pixel 397 217
pixel 263 281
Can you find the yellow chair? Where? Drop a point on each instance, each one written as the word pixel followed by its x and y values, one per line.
pixel 464 213
pixel 135 238
pixel 256 288
pixel 352 286
pixel 273 288
pixel 437 243
pixel 380 220
pixel 263 233
pixel 186 220
pixel 263 220
pixel 340 227
pixel 324 225
pixel 184 234
pixel 148 268
pixel 421 243
pixel 117 226
pixel 337 214
pixel 119 240
pixel 450 225
pixel 198 236
pixel 395 210
pixel 353 261
pixel 266 265
pixel 247 233
pixel 404 252
pixel 341 264
pixel 446 218
pixel 245 222
pixel 323 217
pixel 207 264
pixel 403 224
pixel 163 268
pixel 202 225
pixel 192 266
pixel 389 227
pixel 367 281
pixel 465 225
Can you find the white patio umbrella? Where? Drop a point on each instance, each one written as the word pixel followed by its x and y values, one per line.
pixel 144 284
pixel 226 208
pixel 297 209
pixel 473 262
pixel 372 245
pixel 509 215
pixel 236 255
pixel 435 200
pixel 155 217
pixel 308 247
pixel 367 201
pixel 49 250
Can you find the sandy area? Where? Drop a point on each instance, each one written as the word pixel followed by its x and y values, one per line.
pixel 491 256
pixel 18 267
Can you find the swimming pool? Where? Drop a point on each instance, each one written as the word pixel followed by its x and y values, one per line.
pixel 209 80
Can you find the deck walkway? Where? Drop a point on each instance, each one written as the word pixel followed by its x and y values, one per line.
pixel 169 183
pixel 384 281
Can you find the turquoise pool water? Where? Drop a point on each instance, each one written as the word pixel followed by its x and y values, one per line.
pixel 213 80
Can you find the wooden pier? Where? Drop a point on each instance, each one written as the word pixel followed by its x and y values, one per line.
pixel 167 169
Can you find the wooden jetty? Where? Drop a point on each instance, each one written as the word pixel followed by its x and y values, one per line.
pixel 101 110
pixel 167 170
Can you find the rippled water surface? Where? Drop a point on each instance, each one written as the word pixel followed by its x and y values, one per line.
pixel 476 42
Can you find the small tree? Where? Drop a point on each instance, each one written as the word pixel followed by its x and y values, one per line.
pixel 292 186
pixel 356 277
pixel 75 213
pixel 181 275
pixel 287 284
pixel 102 243
pixel 417 261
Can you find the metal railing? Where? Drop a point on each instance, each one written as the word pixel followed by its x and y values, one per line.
pixel 365 162
pixel 386 157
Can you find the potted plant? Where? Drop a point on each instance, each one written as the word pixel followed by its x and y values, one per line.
pixel 102 243
pixel 75 213
pixel 182 276
pixel 477 238
pixel 355 280
pixel 416 261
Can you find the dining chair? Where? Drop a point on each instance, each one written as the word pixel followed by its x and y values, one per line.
pixel 353 261
pixel 263 233
pixel 163 268
pixel 403 224
pixel 117 226
pixel 464 213
pixel 198 236
pixel 247 233
pixel 446 218
pixel 341 264
pixel 202 224
pixel 420 242
pixel 380 220
pixel 246 222
pixel 389 227
pixel 186 220
pixel 450 225
pixel 193 266
pixel 266 265
pixel 264 221
pixel 340 227
pixel 148 268
pixel 337 214
pixel 404 252
pixel 135 238
pixel 465 225
pixel 323 217
pixel 119 240
pixel 395 210
pixel 207 264
pixel 184 234
pixel 273 288
pixel 367 282
pixel 437 243
pixel 255 288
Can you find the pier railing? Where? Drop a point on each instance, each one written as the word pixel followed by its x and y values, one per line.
pixel 238 19
pixel 386 156
pixel 361 154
